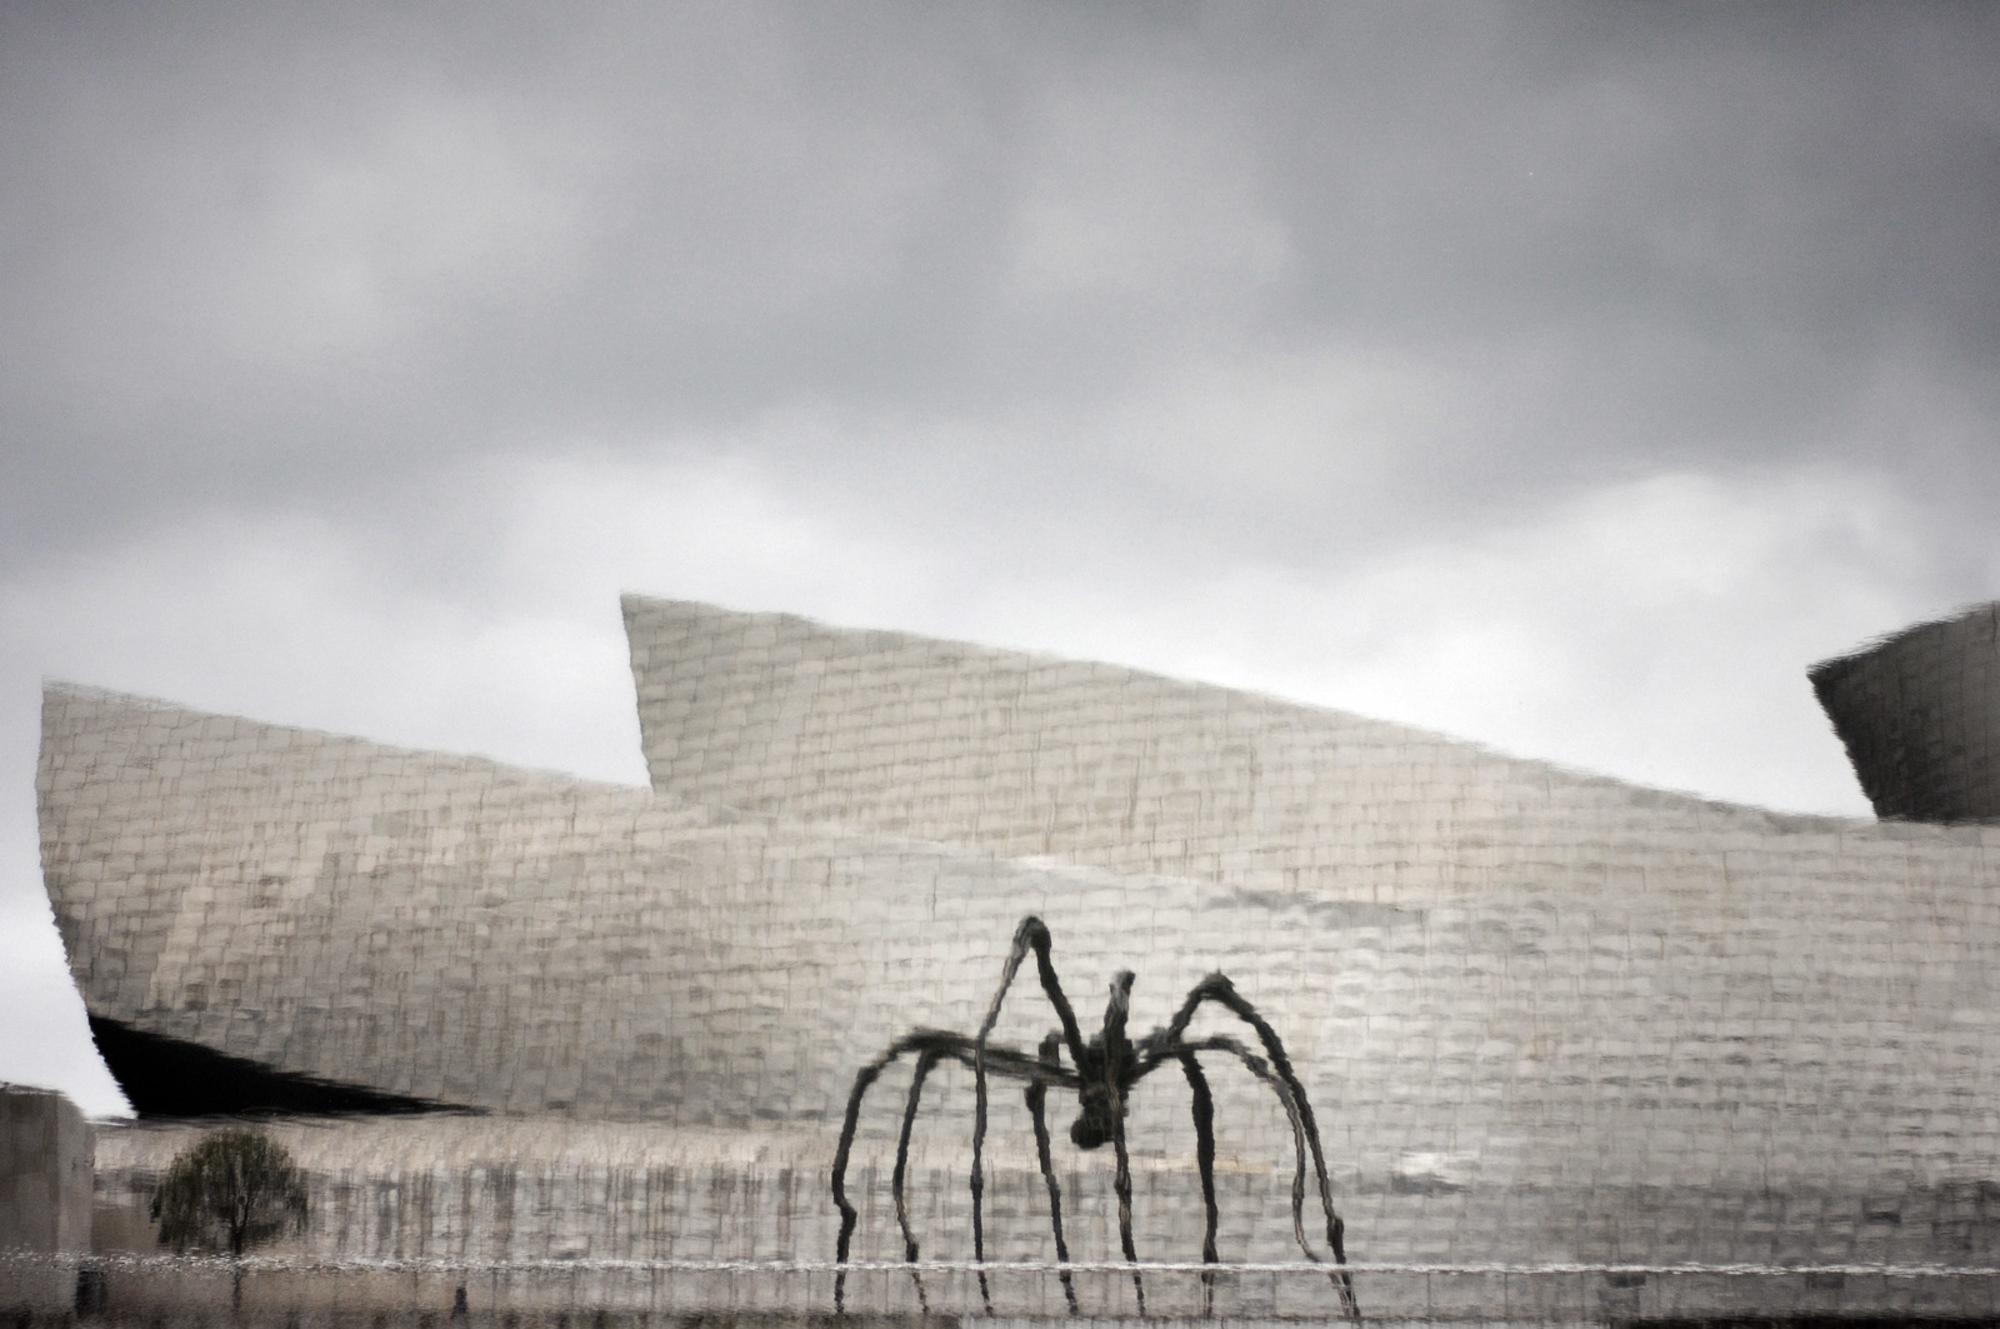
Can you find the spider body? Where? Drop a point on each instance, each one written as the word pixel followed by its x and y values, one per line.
pixel 1106 1068
pixel 1097 1108
pixel 1103 1070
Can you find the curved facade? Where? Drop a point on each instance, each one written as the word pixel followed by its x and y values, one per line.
pixel 455 933
pixel 1919 712
pixel 1132 772
pixel 1541 1014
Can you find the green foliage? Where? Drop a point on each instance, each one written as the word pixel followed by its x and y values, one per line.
pixel 232 1190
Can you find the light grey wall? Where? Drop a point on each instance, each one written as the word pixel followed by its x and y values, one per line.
pixel 477 1190
pixel 46 1178
pixel 45 1171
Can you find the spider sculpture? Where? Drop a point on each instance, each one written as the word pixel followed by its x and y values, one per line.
pixel 1103 1072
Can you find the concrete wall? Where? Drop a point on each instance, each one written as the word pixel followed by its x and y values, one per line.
pixel 45 1171
pixel 1920 715
pixel 477 1191
pixel 46 1179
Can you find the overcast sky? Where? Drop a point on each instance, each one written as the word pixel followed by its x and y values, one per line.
pixel 1563 377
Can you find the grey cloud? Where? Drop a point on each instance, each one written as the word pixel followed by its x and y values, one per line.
pixel 340 258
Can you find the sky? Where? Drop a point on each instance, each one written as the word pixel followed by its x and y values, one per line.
pixel 1563 377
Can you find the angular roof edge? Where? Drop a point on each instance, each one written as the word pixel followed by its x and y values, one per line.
pixel 871 640
pixel 91 692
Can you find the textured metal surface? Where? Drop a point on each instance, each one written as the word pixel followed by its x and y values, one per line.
pixel 1542 1015
pixel 1117 768
pixel 1919 712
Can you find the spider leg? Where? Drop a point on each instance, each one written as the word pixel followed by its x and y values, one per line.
pixel 1204 1158
pixel 1217 988
pixel 1160 1052
pixel 1032 934
pixel 1038 1092
pixel 1037 934
pixel 1114 1050
pixel 1005 1060
pixel 1123 1185
pixel 925 1061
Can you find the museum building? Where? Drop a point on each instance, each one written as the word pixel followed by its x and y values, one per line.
pixel 1541 1016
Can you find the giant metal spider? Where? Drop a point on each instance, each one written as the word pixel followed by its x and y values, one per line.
pixel 1103 1073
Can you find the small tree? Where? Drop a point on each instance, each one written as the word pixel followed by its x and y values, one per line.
pixel 233 1190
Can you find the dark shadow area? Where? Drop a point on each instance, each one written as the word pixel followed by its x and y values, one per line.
pixel 169 1077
